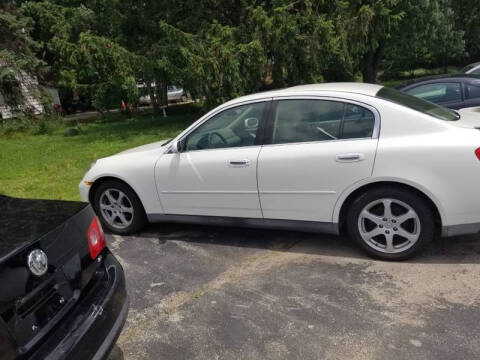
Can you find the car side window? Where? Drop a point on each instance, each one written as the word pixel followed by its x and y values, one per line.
pixel 234 127
pixel 476 71
pixel 473 91
pixel 320 120
pixel 438 92
pixel 307 120
pixel 358 122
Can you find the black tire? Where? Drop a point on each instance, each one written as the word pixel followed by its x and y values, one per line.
pixel 424 213
pixel 138 218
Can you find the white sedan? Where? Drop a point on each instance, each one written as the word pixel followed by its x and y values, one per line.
pixel 391 170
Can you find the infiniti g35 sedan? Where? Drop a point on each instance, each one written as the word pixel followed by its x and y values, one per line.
pixel 387 168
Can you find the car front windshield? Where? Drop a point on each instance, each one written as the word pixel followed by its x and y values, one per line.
pixel 417 104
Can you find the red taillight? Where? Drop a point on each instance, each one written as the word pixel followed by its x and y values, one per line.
pixel 477 152
pixel 96 238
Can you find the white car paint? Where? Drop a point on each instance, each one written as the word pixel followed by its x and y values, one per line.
pixel 204 183
pixel 306 181
pixel 318 175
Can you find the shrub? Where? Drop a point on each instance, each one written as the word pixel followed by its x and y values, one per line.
pixel 34 125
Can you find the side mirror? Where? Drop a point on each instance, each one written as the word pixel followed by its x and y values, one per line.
pixel 177 147
pixel 174 148
pixel 251 123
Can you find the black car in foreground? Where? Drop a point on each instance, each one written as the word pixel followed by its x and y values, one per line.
pixel 62 293
pixel 452 91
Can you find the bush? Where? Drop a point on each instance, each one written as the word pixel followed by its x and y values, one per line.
pixel 37 125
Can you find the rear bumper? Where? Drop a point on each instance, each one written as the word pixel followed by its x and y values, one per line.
pixel 111 338
pixel 463 229
pixel 91 329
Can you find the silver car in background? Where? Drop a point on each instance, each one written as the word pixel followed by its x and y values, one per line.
pixel 174 93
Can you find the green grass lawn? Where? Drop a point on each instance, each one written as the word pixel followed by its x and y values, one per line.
pixel 51 166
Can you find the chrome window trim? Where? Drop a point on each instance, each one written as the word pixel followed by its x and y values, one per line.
pixel 376 114
pixel 320 141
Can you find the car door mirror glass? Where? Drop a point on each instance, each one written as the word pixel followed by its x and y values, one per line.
pixel 177 147
pixel 251 123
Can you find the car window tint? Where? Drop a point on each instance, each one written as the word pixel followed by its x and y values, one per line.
pixel 358 122
pixel 234 127
pixel 476 71
pixel 307 120
pixel 438 93
pixel 473 91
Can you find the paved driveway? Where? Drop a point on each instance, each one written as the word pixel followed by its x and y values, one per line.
pixel 226 293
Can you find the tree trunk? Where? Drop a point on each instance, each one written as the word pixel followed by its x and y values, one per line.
pixel 164 94
pixel 153 98
pixel 371 64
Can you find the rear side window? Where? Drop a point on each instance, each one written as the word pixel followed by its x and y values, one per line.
pixel 473 91
pixel 417 104
pixel 358 122
pixel 438 93
pixel 476 71
pixel 320 120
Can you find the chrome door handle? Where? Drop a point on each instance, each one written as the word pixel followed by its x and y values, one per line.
pixel 239 163
pixel 350 157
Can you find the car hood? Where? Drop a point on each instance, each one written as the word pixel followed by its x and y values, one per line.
pixel 23 221
pixel 146 147
pixel 470 118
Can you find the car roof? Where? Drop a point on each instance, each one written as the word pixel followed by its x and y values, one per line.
pixel 437 77
pixel 342 87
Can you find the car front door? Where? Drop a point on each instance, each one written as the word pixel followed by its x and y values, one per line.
pixel 317 149
pixel 215 174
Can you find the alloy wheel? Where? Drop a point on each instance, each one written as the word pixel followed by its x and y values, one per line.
pixel 389 225
pixel 116 208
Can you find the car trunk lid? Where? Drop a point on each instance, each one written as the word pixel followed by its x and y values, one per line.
pixel 31 305
pixel 23 221
pixel 469 118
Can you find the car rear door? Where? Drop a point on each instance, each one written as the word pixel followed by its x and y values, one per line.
pixel 216 172
pixel 314 150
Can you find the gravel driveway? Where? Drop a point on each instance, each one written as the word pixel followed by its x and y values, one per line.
pixel 226 293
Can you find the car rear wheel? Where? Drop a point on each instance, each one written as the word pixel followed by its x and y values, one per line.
pixel 390 223
pixel 119 208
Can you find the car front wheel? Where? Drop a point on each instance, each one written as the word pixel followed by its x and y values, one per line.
pixel 119 208
pixel 390 223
